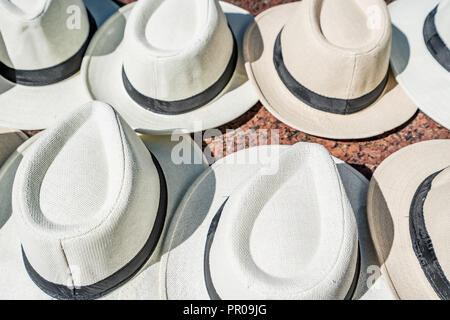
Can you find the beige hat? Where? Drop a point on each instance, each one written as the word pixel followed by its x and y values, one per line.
pixel 322 67
pixel 42 44
pixel 408 212
pixel 84 206
pixel 420 56
pixel 172 64
pixel 272 222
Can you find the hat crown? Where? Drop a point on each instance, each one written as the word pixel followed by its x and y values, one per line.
pixel 442 21
pixel 291 235
pixel 41 34
pixel 85 197
pixel 176 49
pixel 348 46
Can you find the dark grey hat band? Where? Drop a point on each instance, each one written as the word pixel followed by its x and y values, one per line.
pixel 434 42
pixel 188 104
pixel 57 73
pixel 318 101
pixel 213 295
pixel 422 244
pixel 105 286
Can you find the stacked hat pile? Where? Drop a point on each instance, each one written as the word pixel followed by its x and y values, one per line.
pixel 104 203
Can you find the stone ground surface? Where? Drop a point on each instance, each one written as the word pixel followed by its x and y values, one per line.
pixel 365 155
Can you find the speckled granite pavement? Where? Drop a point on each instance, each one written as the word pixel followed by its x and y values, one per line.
pixel 365 155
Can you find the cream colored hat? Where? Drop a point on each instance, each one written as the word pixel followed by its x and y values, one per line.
pixel 408 210
pixel 420 56
pixel 176 64
pixel 272 222
pixel 42 43
pixel 322 67
pixel 90 202
pixel 10 139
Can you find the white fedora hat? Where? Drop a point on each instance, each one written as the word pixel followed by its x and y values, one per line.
pixel 244 231
pixel 172 64
pixel 322 67
pixel 42 44
pixel 10 139
pixel 420 56
pixel 408 212
pixel 84 206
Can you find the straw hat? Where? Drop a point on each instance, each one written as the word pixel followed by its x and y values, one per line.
pixel 408 202
pixel 322 67
pixel 90 203
pixel 272 222
pixel 42 43
pixel 176 64
pixel 420 56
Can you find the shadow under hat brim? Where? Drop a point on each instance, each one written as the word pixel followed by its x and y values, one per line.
pixel 14 279
pixel 390 110
pixel 102 77
pixel 425 81
pixel 38 107
pixel 181 270
pixel 390 195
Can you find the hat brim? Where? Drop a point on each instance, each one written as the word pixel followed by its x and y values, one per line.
pixel 390 194
pixel 14 279
pixel 102 76
pixel 34 108
pixel 181 268
pixel 389 111
pixel 10 139
pixel 418 73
